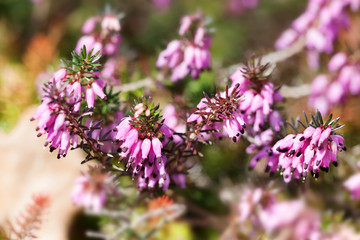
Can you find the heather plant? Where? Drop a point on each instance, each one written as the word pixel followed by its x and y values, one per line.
pixel 185 139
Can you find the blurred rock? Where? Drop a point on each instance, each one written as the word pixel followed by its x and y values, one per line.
pixel 27 169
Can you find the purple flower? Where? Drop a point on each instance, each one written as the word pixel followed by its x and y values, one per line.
pixel 313 149
pixel 320 25
pixel 91 189
pixel 337 61
pixel 62 99
pixel 52 118
pixel 221 112
pixel 106 40
pixel 352 184
pixel 187 56
pixel 109 72
pixel 142 145
pixel 327 91
pixel 259 96
pixel 264 212
pixel 161 4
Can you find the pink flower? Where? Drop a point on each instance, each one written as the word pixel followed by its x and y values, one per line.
pixel 337 61
pixel 320 25
pixel 161 4
pixel 90 25
pixel 302 223
pixel 187 56
pixel 264 212
pixel 91 189
pixel 352 184
pixel 312 150
pixel 221 111
pixel 104 39
pixel 142 146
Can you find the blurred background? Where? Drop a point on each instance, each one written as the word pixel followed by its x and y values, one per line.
pixel 36 34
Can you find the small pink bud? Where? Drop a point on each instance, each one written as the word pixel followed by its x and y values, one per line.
pixel 337 61
pixel 156 146
pixel 98 89
pixel 90 97
pixel 145 148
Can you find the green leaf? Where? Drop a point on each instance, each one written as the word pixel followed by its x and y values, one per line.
pixel 319 117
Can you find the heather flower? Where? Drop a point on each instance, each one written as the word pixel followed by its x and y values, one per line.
pixel 327 91
pixel 312 150
pixel 109 71
pixel 250 201
pixel 221 112
pixel 62 98
pixel 189 55
pixel 53 121
pixel 259 96
pixel 172 120
pixel 352 184
pixel 91 189
pixel 107 40
pixel 264 212
pixel 320 25
pixel 161 4
pixel 143 137
pixel 257 107
pixel 303 223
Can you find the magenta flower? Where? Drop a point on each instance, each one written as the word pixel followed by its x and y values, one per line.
pixel 259 97
pixel 173 121
pixel 313 149
pixel 142 139
pixel 61 102
pixel 263 212
pixel 106 41
pixel 327 91
pixel 91 189
pixel 303 223
pixel 320 25
pixel 161 5
pixel 352 184
pixel 257 107
pixel 222 111
pixel 187 56
pixel 52 119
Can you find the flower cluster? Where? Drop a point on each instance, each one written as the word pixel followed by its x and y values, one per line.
pixel 313 149
pixel 265 212
pixel 259 95
pixel 91 189
pixel 320 24
pixel 329 90
pixel 143 137
pixel 239 6
pixel 189 55
pixel 222 111
pixel 106 40
pixel 102 34
pixel 260 117
pixel 62 101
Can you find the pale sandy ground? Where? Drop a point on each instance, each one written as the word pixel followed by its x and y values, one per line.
pixel 26 168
